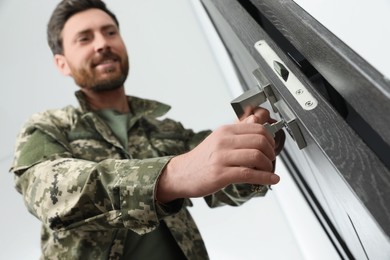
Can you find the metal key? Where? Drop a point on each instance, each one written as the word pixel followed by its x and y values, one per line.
pixel 273 128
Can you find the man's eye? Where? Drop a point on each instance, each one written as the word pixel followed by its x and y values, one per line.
pixel 111 33
pixel 83 39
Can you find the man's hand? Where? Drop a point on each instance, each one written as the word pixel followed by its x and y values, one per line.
pixel 237 153
pixel 262 116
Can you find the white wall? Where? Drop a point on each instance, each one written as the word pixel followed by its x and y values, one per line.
pixel 171 60
pixel 361 24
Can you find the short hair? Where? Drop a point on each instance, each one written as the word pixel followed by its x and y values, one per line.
pixel 64 10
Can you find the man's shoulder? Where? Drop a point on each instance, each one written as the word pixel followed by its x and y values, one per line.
pixel 55 117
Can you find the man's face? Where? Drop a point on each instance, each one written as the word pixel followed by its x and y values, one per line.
pixel 94 52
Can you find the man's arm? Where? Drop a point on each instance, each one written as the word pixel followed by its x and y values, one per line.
pixel 65 192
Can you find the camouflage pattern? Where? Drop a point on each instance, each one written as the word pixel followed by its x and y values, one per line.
pixel 89 191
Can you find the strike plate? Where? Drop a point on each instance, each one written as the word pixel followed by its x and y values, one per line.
pixel 292 83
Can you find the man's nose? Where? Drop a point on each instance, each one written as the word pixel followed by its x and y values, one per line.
pixel 101 43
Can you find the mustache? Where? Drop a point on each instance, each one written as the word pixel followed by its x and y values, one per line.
pixel 103 56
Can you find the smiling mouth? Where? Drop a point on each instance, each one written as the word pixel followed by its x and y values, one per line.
pixel 105 59
pixel 106 65
pixel 105 62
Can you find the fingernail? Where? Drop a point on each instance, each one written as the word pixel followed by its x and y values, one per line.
pixel 275 178
pixel 250 120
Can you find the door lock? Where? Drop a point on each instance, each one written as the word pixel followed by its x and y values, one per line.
pixel 256 96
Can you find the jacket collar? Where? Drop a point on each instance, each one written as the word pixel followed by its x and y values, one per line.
pixel 138 106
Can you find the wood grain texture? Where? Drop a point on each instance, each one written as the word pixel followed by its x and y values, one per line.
pixel 357 81
pixel 346 176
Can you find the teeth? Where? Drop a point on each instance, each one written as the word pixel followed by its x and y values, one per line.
pixel 107 61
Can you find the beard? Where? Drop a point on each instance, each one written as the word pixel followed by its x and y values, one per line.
pixel 99 81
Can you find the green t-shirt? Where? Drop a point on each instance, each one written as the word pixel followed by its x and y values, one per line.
pixel 118 123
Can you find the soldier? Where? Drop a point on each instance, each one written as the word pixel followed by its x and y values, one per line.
pixel 108 179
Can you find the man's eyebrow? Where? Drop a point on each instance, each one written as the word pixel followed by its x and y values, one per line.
pixel 102 28
pixel 89 30
pixel 82 32
pixel 109 26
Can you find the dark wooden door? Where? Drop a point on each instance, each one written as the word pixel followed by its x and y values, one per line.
pixel 343 168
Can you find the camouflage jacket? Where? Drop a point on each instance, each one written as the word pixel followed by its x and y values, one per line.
pixel 89 191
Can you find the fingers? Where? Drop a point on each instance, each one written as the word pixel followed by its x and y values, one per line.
pixel 244 137
pixel 250 158
pixel 246 143
pixel 247 112
pixel 251 176
pixel 261 115
pixel 240 130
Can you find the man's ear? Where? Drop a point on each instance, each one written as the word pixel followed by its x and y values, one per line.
pixel 62 64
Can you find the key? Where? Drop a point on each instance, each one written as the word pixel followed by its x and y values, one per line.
pixel 273 128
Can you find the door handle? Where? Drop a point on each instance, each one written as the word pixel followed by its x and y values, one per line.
pixel 258 95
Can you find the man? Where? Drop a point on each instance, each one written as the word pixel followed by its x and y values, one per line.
pixel 109 180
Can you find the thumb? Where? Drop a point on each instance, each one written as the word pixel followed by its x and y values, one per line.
pixel 250 119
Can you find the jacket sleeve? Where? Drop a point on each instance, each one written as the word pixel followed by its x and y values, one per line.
pixel 65 192
pixel 234 195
